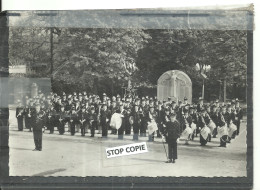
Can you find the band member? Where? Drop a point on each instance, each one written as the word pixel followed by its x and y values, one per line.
pixel 38 127
pixel 122 111
pixel 83 120
pixel 19 115
pixel 51 119
pixel 143 126
pixel 222 130
pixel 127 121
pixel 239 115
pixel 114 109
pixel 68 109
pixel 77 109
pixel 136 121
pixel 98 111
pixel 161 114
pixel 62 120
pixel 151 116
pixel 73 121
pixel 201 125
pixel 172 133
pixel 214 116
pixel 200 105
pixel 26 112
pixel 92 120
pixel 105 115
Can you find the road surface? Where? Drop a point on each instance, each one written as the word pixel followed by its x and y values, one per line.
pixel 66 155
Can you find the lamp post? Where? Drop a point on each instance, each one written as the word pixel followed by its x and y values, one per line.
pixel 202 69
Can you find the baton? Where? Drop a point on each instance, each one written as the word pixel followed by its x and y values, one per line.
pixel 164 147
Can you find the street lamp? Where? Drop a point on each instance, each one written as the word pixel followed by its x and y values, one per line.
pixel 202 69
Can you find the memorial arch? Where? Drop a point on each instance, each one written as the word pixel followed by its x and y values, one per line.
pixel 175 84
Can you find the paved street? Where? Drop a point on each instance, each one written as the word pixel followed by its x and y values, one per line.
pixel 65 155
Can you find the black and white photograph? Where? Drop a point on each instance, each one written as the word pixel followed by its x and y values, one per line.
pixel 127 95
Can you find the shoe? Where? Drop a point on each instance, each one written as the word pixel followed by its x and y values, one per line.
pixel 35 149
pixel 40 149
pixel 168 161
pixel 173 161
pixel 92 136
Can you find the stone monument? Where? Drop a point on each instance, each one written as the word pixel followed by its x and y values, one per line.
pixel 175 84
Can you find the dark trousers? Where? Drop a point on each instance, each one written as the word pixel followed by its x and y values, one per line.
pixel 136 131
pixel 209 137
pixel 83 129
pixel 37 136
pixel 104 129
pixel 215 132
pixel 27 122
pixel 172 150
pixel 143 127
pixel 51 127
pixel 93 128
pixel 61 127
pixel 238 127
pixel 20 123
pixel 128 129
pixel 121 132
pixel 114 131
pixel 203 142
pixel 72 128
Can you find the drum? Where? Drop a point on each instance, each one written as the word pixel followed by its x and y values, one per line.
pixel 232 128
pixel 222 131
pixel 116 121
pixel 205 131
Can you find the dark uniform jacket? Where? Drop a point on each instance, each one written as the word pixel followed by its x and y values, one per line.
pixel 19 112
pixel 172 131
pixel 37 120
pixel 104 115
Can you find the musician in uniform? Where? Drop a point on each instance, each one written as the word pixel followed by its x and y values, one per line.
pixel 51 119
pixel 83 120
pixel 38 127
pixel 19 115
pixel 200 105
pixel 127 120
pixel 143 125
pixel 62 120
pixel 239 115
pixel 172 133
pixel 73 121
pixel 214 116
pixel 136 122
pixel 122 128
pixel 105 115
pixel 151 115
pixel 92 120
pixel 113 110
pixel 201 125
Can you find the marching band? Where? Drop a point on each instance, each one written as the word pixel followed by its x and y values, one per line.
pixel 145 116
